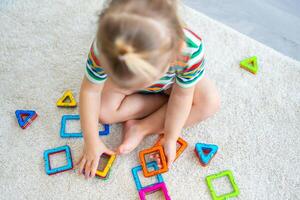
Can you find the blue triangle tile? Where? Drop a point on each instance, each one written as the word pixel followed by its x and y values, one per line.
pixel 29 115
pixel 202 149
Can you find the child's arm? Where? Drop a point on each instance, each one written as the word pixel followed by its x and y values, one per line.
pixel 179 107
pixel 90 96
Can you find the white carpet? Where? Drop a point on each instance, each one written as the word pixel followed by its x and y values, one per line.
pixel 43 49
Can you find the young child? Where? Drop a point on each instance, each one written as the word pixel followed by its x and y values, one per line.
pixel 144 69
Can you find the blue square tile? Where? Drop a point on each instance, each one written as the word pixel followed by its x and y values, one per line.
pixel 49 152
pixel 137 181
pixel 65 134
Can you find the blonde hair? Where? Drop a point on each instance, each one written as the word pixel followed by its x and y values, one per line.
pixel 138 36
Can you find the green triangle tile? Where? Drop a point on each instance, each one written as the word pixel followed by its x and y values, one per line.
pixel 250 64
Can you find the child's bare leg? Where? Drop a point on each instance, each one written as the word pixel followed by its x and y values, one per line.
pixel 117 106
pixel 205 103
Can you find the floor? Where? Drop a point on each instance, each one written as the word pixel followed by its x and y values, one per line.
pixel 43 49
pixel 275 23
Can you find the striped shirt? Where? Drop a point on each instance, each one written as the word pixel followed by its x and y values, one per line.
pixel 186 71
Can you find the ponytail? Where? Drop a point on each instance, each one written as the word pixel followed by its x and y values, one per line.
pixel 133 61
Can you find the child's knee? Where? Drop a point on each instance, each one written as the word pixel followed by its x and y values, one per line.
pixel 214 102
pixel 106 116
pixel 209 101
pixel 210 104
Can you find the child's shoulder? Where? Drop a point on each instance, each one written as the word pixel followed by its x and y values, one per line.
pixel 189 65
pixel 192 40
pixel 193 47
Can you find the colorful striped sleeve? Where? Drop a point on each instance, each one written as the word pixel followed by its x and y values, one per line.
pixel 93 70
pixel 194 69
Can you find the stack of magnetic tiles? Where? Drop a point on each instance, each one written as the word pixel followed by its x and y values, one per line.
pixel 205 152
pixel 156 171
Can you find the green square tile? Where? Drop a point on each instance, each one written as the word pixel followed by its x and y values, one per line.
pixel 213 193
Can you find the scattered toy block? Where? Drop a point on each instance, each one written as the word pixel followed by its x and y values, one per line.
pixel 205 152
pixel 135 175
pixel 213 193
pixel 156 149
pixel 67 100
pixel 49 170
pixel 104 178
pixel 103 174
pixel 183 145
pixel 154 188
pixel 250 64
pixel 64 134
pixel 25 117
pixel 98 177
pixel 105 131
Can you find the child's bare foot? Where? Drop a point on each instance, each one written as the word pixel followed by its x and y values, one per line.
pixel 133 135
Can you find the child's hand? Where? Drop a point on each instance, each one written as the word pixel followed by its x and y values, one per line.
pixel 88 163
pixel 169 149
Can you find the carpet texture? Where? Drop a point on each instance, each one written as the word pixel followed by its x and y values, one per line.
pixel 43 49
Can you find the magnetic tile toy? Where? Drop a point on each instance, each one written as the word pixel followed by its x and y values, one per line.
pixel 65 134
pixel 104 173
pixel 250 64
pixel 156 149
pixel 99 177
pixel 106 177
pixel 183 145
pixel 205 152
pixel 213 193
pixel 47 153
pixel 135 175
pixel 68 95
pixel 25 117
pixel 154 188
pixel 105 131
